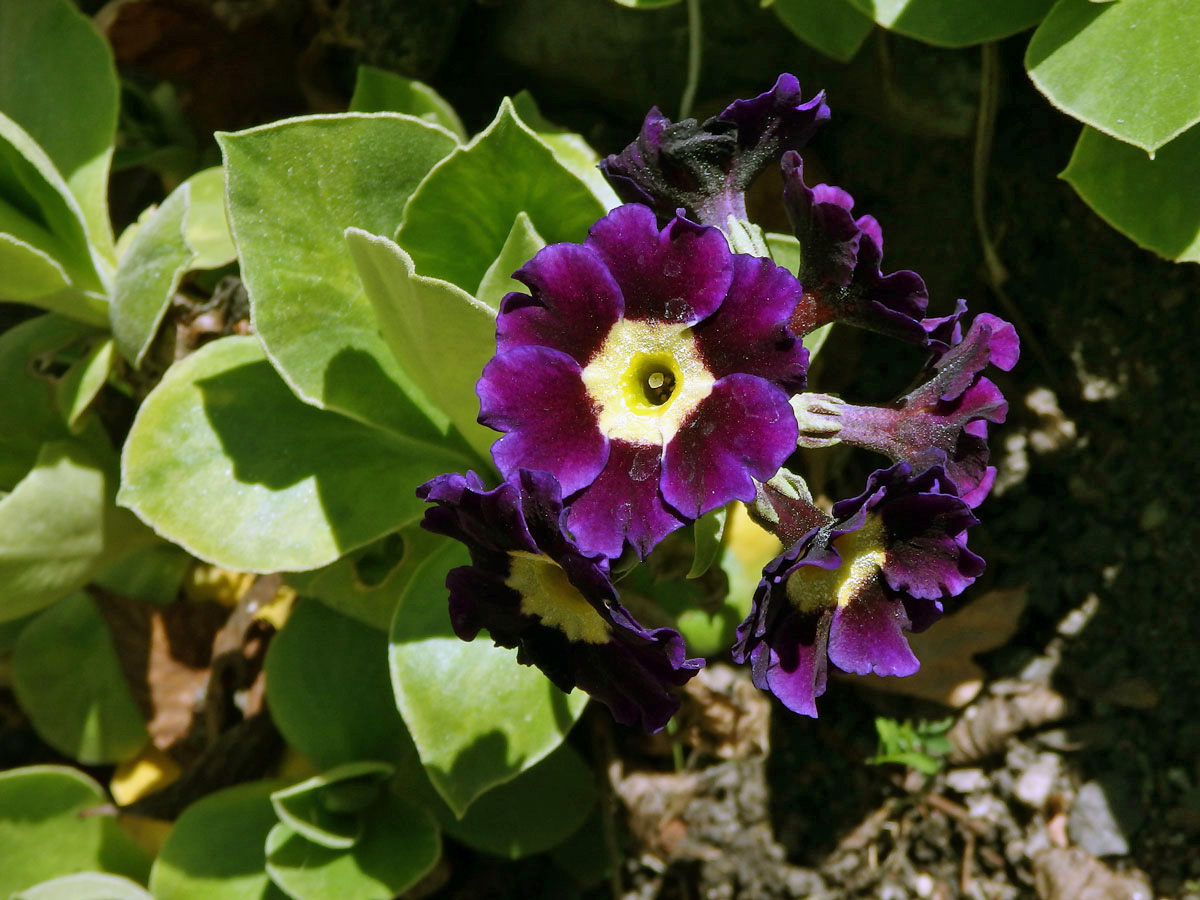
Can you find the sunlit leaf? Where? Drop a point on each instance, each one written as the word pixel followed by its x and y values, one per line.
pixel 376 90
pixel 1128 69
pixel 952 23
pixel 225 461
pixel 522 243
pixel 81 383
pixel 478 718
pixel 85 886
pixel 294 187
pixel 1142 197
pixel 834 27
pixel 569 148
pixel 326 809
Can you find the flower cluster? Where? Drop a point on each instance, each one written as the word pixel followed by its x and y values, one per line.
pixel 651 374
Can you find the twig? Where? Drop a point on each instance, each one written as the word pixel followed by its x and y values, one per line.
pixel 695 50
pixel 606 766
pixel 954 811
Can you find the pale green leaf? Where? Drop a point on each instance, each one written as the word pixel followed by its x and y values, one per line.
pixel 27 272
pixel 149 274
pixel 477 717
pixel 46 831
pixel 440 335
pixel 53 528
pixel 215 849
pixel 91 718
pixel 522 243
pixel 456 223
pixel 707 532
pixel 225 461
pixel 81 383
pixel 834 27
pixel 953 23
pixel 1142 198
pixel 785 251
pixel 328 689
pixel 570 149
pixel 85 886
pixel 1128 69
pixel 400 844
pixel 376 90
pixel 326 809
pixel 59 82
pixel 294 187
pixel 207 228
pixel 366 584
pixel 537 810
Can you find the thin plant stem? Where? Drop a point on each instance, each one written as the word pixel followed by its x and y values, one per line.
pixel 695 52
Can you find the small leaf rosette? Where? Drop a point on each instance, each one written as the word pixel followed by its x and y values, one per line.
pixel 847 591
pixel 706 168
pixel 531 587
pixel 649 371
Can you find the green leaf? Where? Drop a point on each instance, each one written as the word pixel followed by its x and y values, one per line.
pixel 93 718
pixel 224 460
pixel 29 272
pixel 45 830
pixel 215 849
pixel 1128 69
pixel 315 809
pixel 149 275
pixel 81 383
pixel 59 82
pixel 646 4
pixel 399 845
pixel 834 27
pixel 440 335
pixel 57 528
pixel 294 187
pixel 376 90
pixel 537 810
pixel 569 148
pixel 151 575
pixel 85 886
pixel 328 689
pixel 522 243
pixel 367 584
pixel 1143 198
pixel 785 251
pixel 456 223
pixel 477 717
pixel 207 228
pixel 707 532
pixel 952 23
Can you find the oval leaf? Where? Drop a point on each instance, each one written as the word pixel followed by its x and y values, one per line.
pixel 44 832
pixel 1139 196
pixel 310 810
pixel 376 90
pixel 400 843
pixel 294 187
pixel 1128 69
pixel 207 226
pixel 522 243
pixel 835 28
pixel 215 849
pixel 228 463
pixel 92 719
pixel 456 223
pixel 85 886
pixel 477 717
pixel 952 23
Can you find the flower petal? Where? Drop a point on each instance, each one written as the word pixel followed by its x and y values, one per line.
pixel 623 504
pixel 680 274
pixel 536 396
pixel 743 430
pixel 867 635
pixel 573 304
pixel 794 666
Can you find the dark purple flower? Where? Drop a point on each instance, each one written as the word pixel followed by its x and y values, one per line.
pixel 839 264
pixel 532 588
pixel 944 421
pixel 848 591
pixel 649 371
pixel 705 169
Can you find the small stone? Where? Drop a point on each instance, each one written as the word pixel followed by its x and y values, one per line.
pixel 1103 817
pixel 923 884
pixel 1036 782
pixel 967 780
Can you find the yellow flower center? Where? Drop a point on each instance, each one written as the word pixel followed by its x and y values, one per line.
pixel 645 380
pixel 547 592
pixel 812 588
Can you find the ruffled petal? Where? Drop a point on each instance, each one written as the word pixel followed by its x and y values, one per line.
pixel 742 431
pixel 535 395
pixel 867 635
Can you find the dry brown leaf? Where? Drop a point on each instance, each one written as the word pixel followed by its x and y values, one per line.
pixel 985 728
pixel 949 674
pixel 1074 874
pixel 724 714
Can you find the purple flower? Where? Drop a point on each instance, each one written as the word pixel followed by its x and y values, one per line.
pixel 944 421
pixel 839 264
pixel 706 169
pixel 532 588
pixel 847 591
pixel 649 372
